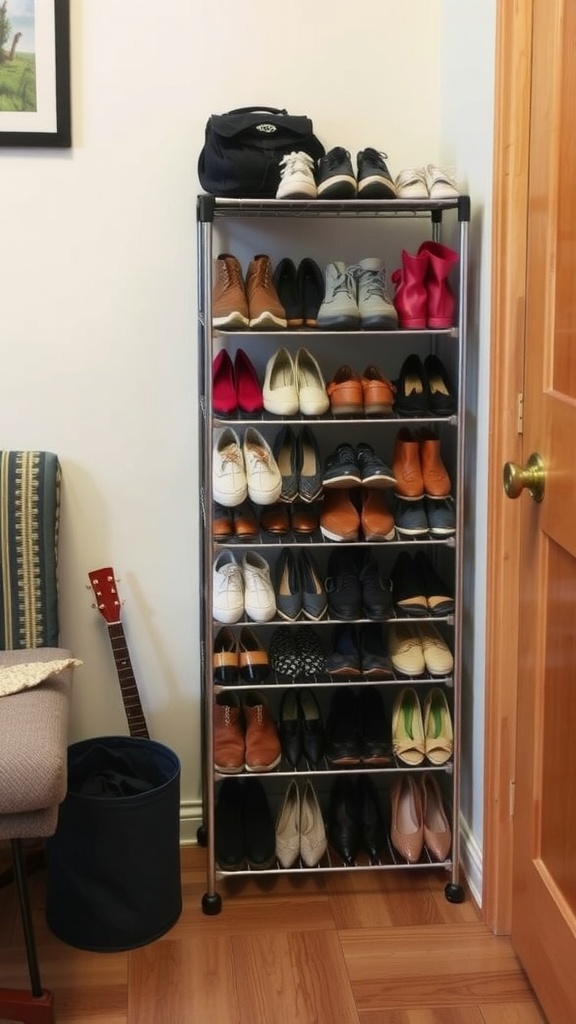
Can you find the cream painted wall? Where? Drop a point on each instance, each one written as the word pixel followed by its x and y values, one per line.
pixel 97 271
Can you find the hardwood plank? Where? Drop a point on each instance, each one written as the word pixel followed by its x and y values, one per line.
pixel 527 1012
pixel 420 1015
pixel 397 898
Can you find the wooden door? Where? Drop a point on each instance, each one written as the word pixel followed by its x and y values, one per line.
pixel 544 857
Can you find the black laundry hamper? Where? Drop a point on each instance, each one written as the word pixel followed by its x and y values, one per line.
pixel 113 864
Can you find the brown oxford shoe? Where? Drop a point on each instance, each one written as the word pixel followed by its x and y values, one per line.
pixel 245 522
pixel 304 518
pixel 263 751
pixel 228 734
pixel 275 518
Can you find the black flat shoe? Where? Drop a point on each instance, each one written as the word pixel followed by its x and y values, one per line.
pixel 285 282
pixel 290 727
pixel 439 598
pixel 312 728
pixel 374 655
pixel 259 827
pixel 441 391
pixel 342 741
pixel 374 728
pixel 376 590
pixel 229 826
pixel 344 656
pixel 310 285
pixel 408 587
pixel 342 585
pixel 412 392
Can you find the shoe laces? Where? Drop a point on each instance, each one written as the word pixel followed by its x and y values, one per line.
pixel 232 270
pixel 257 459
pixel 231 454
pixel 411 176
pixel 231 577
pixel 293 162
pixel 375 156
pixel 338 280
pixel 335 157
pixel 372 282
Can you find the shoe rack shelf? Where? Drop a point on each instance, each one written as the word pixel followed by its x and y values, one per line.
pixel 430 217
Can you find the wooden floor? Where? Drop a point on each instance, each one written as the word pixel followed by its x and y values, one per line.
pixel 342 948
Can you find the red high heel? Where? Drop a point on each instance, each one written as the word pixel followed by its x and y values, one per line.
pixel 248 390
pixel 223 388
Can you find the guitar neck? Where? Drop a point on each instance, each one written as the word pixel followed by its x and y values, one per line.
pixel 129 689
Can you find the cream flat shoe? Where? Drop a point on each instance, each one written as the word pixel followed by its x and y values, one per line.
pixel 288 827
pixel 313 842
pixel 312 395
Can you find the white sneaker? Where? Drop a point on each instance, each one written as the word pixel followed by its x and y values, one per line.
pixel 229 485
pixel 377 312
pixel 312 396
pixel 411 184
pixel 440 184
pixel 262 472
pixel 279 392
pixel 259 597
pixel 296 177
pixel 227 589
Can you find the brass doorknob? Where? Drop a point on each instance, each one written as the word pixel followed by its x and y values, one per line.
pixel 532 476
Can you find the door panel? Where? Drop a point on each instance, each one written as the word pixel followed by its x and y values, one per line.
pixel 544 866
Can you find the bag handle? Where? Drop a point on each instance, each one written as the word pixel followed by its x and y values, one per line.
pixel 256 110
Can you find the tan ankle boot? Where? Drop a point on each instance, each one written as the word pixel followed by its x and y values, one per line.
pixel 406 466
pixel 266 310
pixel 434 473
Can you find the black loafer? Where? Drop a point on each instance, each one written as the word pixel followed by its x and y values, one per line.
pixel 342 740
pixel 310 284
pixel 376 590
pixel 259 828
pixel 285 282
pixel 229 826
pixel 290 727
pixel 342 585
pixel 312 727
pixel 374 728
pixel 412 388
pixel 343 819
pixel 408 587
pixel 439 598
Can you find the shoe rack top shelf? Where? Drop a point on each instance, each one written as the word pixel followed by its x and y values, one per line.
pixel 315 332
pixel 210 207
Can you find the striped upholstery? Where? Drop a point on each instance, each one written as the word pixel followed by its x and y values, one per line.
pixel 29 520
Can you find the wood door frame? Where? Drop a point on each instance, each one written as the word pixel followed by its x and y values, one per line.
pixel 508 288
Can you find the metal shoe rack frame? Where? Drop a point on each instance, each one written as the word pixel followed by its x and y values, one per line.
pixel 209 210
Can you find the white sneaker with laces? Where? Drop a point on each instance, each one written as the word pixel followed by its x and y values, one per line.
pixel 411 184
pixel 259 597
pixel 227 589
pixel 440 184
pixel 229 485
pixel 297 177
pixel 262 472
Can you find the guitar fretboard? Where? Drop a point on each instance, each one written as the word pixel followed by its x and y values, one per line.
pixel 130 696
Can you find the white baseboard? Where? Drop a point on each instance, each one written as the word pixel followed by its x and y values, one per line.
pixel 471 861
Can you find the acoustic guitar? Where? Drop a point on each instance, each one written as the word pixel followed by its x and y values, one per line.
pixel 108 604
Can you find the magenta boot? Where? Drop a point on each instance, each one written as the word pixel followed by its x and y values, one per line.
pixel 410 297
pixel 441 302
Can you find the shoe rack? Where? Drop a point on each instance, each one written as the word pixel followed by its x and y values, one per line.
pixel 394 782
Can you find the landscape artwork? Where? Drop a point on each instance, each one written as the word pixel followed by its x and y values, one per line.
pixel 17 56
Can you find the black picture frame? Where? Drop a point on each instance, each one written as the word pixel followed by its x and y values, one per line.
pixel 50 125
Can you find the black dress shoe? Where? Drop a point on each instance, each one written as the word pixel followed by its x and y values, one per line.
pixel 285 281
pixel 412 393
pixel 374 655
pixel 259 827
pixel 312 727
pixel 342 585
pixel 342 740
pixel 229 826
pixel 439 598
pixel 290 727
pixel 343 819
pixel 376 590
pixel 372 824
pixel 408 587
pixel 310 284
pixel 344 656
pixel 374 728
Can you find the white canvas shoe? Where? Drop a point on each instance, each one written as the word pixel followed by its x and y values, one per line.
pixel 262 473
pixel 440 184
pixel 229 484
pixel 279 391
pixel 227 589
pixel 259 597
pixel 411 184
pixel 296 177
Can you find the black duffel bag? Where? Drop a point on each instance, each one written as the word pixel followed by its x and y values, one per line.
pixel 243 149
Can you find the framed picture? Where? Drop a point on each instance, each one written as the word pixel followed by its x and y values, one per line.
pixel 35 73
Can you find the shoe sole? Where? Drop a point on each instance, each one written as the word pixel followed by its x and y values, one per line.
pixel 341 186
pixel 304 190
pixel 448 531
pixel 328 535
pixel 412 533
pixel 353 409
pixel 254 769
pixel 371 535
pixel 387 322
pixel 341 322
pixel 378 409
pixel 229 500
pixel 234 319
pixel 259 615
pixel 267 321
pixel 342 481
pixel 379 480
pixel 376 187
pixel 226 770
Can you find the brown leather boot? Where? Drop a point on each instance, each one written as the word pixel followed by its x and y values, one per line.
pixel 266 310
pixel 228 734
pixel 436 480
pixel 263 750
pixel 229 302
pixel 406 466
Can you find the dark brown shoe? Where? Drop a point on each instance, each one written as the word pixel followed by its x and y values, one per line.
pixel 245 522
pixel 263 751
pixel 275 518
pixel 222 522
pixel 304 518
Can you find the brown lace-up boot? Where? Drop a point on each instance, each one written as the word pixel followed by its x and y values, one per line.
pixel 266 310
pixel 229 302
